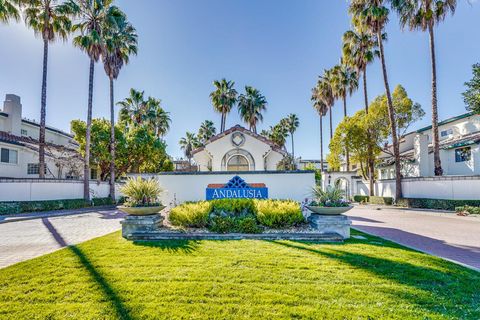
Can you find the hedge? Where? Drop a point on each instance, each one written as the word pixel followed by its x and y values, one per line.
pixel 468 210
pixel 381 200
pixel 360 199
pixel 14 207
pixel 439 204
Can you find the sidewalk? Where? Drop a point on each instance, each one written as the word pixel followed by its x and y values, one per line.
pixel 49 214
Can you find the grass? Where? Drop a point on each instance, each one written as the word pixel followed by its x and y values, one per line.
pixel 111 278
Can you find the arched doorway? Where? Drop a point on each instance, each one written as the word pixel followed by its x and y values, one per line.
pixel 238 163
pixel 343 184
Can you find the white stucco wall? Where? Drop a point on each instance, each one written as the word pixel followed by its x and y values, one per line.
pixel 36 190
pixel 180 187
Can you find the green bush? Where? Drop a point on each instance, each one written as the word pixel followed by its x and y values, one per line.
pixel 381 200
pixel 237 215
pixel 360 199
pixel 278 213
pixel 468 210
pixel 439 204
pixel 103 202
pixel 191 215
pixel 49 205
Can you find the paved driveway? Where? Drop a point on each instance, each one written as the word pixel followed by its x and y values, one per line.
pixel 23 240
pixel 442 234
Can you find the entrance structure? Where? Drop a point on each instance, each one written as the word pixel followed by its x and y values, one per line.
pixel 238 150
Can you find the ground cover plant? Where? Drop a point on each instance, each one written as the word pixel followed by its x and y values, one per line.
pixel 14 207
pixel 237 215
pixel 112 278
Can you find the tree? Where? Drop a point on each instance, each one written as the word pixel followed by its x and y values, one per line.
pixel 471 96
pixel 324 92
pixel 277 134
pixel 206 131
pixel 188 144
pixel 292 123
pixel 345 82
pixel 9 10
pixel 321 109
pixel 223 99
pixel 424 15
pixel 251 104
pixel 94 18
pixel 373 15
pixel 50 21
pixel 156 117
pixel 120 42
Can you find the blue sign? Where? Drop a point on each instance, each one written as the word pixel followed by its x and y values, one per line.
pixel 237 188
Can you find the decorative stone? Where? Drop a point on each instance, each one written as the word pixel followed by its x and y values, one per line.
pixel 331 224
pixel 135 224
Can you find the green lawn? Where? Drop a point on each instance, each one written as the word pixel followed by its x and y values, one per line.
pixel 110 278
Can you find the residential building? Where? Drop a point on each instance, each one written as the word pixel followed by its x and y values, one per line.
pixel 459 150
pixel 19 147
pixel 302 164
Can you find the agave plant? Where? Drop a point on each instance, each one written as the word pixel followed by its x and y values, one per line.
pixel 141 192
pixel 330 197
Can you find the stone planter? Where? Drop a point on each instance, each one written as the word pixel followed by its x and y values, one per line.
pixel 141 220
pixel 141 211
pixel 328 211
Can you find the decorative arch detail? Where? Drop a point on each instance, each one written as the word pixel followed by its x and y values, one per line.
pixel 234 158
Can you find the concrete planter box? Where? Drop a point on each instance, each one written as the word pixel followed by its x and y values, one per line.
pixel 141 211
pixel 331 223
pixel 328 211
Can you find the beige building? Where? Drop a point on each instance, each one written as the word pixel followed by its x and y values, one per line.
pixel 19 146
pixel 238 149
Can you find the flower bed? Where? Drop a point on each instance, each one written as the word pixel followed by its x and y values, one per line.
pixel 238 215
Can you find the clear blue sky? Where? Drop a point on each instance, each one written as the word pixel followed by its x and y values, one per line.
pixel 279 47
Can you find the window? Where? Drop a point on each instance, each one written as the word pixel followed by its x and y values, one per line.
pixel 34 168
pixel 24 132
pixel 93 174
pixel 463 154
pixel 8 156
pixel 237 163
pixel 446 133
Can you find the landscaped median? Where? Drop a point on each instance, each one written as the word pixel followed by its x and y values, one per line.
pixel 16 207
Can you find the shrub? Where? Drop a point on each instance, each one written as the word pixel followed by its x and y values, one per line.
pixel 191 215
pixel 103 201
pixel 360 199
pixel 141 192
pixel 468 210
pixel 439 204
pixel 381 200
pixel 278 213
pixel 235 206
pixel 49 205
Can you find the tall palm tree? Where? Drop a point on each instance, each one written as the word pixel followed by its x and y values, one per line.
pixel 206 131
pixel 251 104
pixel 9 10
pixel 94 18
pixel 156 117
pixel 345 82
pixel 223 99
pixel 291 124
pixel 188 144
pixel 120 42
pixel 322 109
pixel 373 14
pixel 50 21
pixel 132 108
pixel 325 93
pixel 424 15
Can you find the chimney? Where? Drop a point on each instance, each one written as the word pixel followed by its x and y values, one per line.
pixel 13 107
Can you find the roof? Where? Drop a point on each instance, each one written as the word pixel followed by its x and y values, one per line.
pixel 243 130
pixel 3 114
pixel 23 141
pixel 449 120
pixel 33 123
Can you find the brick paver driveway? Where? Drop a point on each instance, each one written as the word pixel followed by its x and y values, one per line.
pixel 442 234
pixel 23 240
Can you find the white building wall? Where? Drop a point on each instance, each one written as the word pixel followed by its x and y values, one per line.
pixel 180 187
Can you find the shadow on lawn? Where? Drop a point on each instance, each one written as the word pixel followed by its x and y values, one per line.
pixel 173 246
pixel 454 287
pixel 109 293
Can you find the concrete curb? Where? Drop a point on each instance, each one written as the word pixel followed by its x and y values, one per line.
pixel 51 214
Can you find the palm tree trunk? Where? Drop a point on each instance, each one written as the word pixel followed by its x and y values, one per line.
pixel 436 148
pixel 331 124
pixel 347 153
pixel 321 143
pixel 43 112
pixel 393 125
pixel 112 141
pixel 293 153
pixel 86 178
pixel 222 123
pixel 365 93
pixel 370 161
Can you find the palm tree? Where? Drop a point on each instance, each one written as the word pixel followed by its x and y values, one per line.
pixel 132 108
pixel 188 144
pixel 9 10
pixel 424 15
pixel 251 104
pixel 119 43
pixel 325 93
pixel 322 109
pixel 345 82
pixel 223 98
pixel 50 21
pixel 291 124
pixel 95 17
pixel 206 131
pixel 156 117
pixel 374 15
